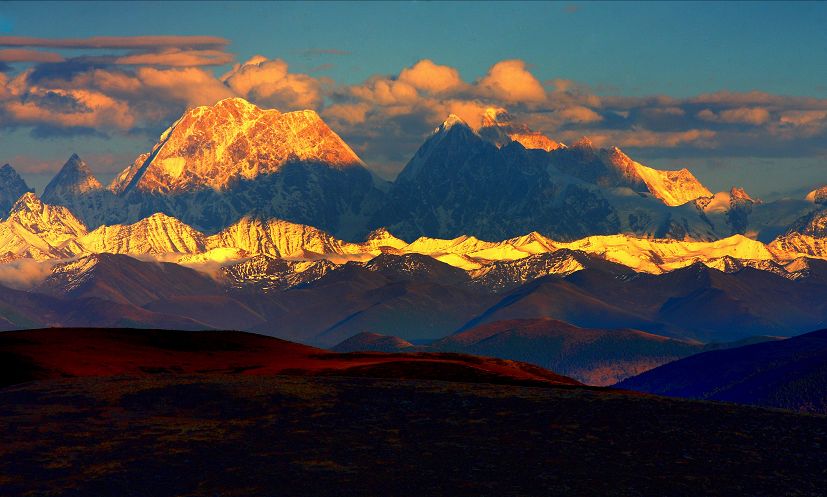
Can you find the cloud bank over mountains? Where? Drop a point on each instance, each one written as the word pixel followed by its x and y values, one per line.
pixel 134 86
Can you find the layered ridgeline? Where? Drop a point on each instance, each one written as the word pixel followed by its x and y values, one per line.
pixel 591 355
pixel 39 231
pixel 220 163
pixel 615 312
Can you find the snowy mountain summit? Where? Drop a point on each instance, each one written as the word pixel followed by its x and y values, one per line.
pixel 74 178
pixel 233 140
pixel 219 163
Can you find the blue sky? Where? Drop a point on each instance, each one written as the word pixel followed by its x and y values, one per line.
pixel 677 48
pixel 614 49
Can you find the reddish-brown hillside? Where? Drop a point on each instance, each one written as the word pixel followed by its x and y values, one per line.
pixel 64 352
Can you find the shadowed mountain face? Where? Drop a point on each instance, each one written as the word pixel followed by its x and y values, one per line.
pixel 696 302
pixel 77 188
pixel 790 374
pixel 158 288
pixel 19 309
pixel 12 186
pixel 502 276
pixel 493 185
pixel 307 192
pixel 126 280
pixel 417 267
pixel 266 274
pixel 354 299
pixel 74 178
pixel 458 183
pixel 593 356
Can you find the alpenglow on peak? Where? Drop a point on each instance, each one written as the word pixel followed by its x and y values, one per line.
pixel 451 121
pixel 233 140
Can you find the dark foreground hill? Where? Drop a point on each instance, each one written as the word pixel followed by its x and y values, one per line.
pixel 153 420
pixel 790 374
pixel 80 352
pixel 171 435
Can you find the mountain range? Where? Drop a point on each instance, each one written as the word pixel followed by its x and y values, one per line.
pixel 250 219
pixel 608 311
pixel 40 231
pixel 217 164
pixel 593 356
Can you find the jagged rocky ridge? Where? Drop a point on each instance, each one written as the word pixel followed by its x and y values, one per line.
pixel 40 231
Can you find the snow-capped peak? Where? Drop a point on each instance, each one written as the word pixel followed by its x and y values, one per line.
pixel 671 187
pixel 28 202
pixel 74 178
pixel 155 235
pixel 379 234
pixel 38 217
pixel 489 116
pixel 383 241
pixel 39 231
pixel 499 128
pixel 584 143
pixel 381 237
pixel 818 196
pixel 237 102
pixel 233 140
pixel 451 121
pixel 494 116
pixel 235 108
pixel 739 194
